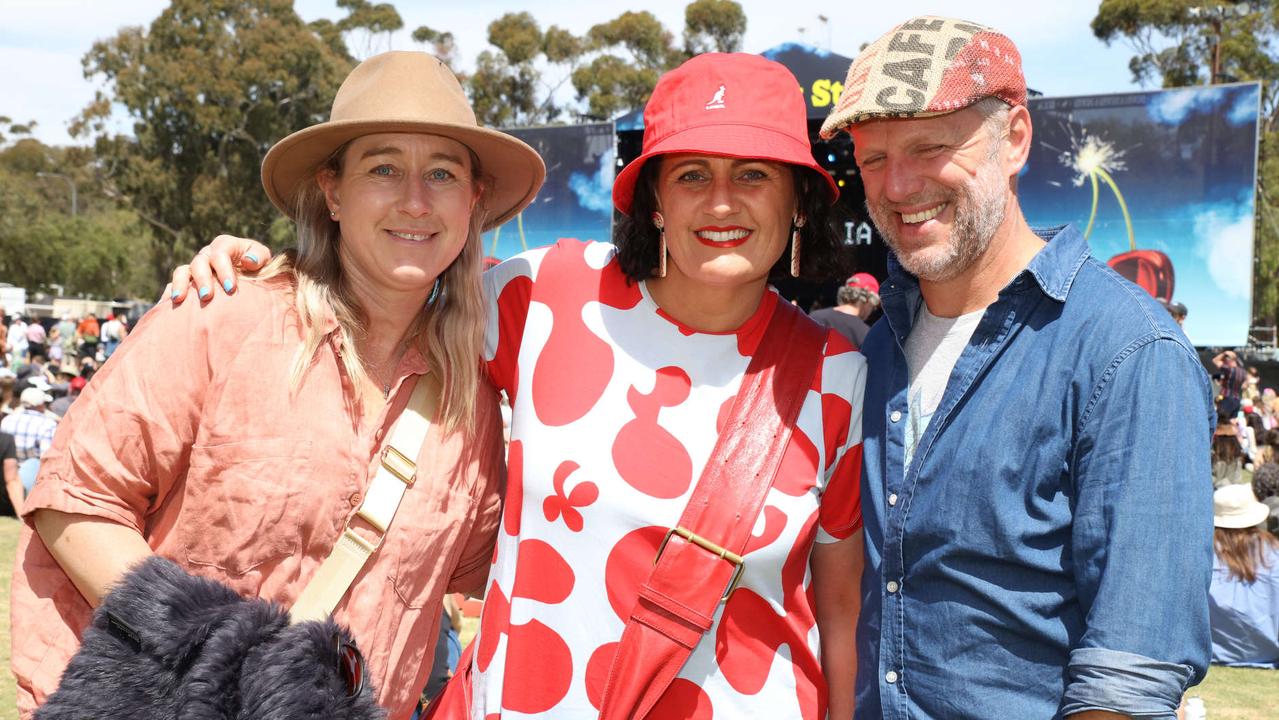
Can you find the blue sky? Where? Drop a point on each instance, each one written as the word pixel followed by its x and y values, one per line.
pixel 42 41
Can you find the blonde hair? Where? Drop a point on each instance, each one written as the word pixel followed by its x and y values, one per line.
pixel 449 333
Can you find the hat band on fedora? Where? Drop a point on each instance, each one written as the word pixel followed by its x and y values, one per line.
pixel 405 92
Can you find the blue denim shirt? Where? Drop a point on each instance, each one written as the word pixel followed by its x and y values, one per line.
pixel 1049 549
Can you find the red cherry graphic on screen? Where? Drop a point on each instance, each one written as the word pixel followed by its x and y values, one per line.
pixel 1150 269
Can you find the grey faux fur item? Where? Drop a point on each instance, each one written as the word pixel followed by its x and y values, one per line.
pixel 166 645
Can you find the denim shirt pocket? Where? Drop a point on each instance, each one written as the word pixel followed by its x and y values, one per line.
pixel 239 502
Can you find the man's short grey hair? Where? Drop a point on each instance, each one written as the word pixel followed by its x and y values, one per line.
pixel 994 116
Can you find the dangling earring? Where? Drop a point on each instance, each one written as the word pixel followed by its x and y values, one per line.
pixel 660 223
pixel 435 292
pixel 796 224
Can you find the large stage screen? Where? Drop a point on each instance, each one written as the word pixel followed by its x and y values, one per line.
pixel 576 201
pixel 1164 185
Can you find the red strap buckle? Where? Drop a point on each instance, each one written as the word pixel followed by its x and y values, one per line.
pixel 739 563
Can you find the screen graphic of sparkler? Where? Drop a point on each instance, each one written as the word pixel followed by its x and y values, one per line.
pixel 1093 159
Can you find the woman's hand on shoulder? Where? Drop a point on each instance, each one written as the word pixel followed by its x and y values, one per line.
pixel 218 264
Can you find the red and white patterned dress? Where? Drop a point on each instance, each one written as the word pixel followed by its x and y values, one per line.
pixel 615 411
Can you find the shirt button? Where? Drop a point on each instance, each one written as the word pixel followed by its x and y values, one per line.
pixel 892 499
pixel 892 586
pixel 891 677
pixel 355 499
pixel 895 416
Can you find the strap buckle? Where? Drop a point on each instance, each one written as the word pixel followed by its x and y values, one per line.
pixel 739 563
pixel 399 465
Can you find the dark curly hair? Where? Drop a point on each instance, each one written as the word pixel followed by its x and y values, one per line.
pixel 1265 481
pixel 822 257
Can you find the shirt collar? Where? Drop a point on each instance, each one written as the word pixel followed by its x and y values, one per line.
pixel 413 362
pixel 1054 267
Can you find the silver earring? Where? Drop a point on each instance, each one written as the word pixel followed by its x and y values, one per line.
pixel 333 214
pixel 660 223
pixel 794 246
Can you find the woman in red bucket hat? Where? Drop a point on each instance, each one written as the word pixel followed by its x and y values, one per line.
pixel 681 531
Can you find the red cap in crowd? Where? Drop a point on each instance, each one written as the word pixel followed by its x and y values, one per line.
pixel 864 280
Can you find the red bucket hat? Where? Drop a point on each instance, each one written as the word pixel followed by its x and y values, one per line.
pixel 725 104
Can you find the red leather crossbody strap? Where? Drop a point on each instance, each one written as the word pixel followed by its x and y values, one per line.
pixel 699 562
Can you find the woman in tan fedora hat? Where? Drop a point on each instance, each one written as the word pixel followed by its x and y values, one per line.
pixel 627 366
pixel 241 441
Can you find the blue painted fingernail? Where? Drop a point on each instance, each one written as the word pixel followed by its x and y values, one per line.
pixel 251 258
pixel 204 292
pixel 174 296
pixel 228 285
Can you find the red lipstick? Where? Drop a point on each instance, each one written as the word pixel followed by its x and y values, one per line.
pixel 729 237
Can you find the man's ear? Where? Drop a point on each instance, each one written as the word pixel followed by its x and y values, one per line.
pixel 1017 149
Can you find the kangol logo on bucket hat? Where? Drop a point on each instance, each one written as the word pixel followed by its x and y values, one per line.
pixel 725 104
pixel 717 101
pixel 406 92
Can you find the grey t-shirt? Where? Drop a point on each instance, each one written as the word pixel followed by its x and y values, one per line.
pixel 932 350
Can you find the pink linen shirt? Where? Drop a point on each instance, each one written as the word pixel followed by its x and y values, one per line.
pixel 190 435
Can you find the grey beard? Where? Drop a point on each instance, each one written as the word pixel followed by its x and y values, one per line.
pixel 979 211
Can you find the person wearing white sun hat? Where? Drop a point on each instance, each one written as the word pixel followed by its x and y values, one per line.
pixel 1244 597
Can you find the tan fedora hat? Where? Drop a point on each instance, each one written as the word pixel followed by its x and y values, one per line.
pixel 399 92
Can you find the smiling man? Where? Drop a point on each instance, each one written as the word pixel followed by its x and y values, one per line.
pixel 1036 493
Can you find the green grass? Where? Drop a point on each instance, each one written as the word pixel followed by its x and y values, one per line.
pixel 1228 693
pixel 1239 693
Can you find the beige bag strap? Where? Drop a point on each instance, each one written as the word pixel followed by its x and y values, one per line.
pixel 397 473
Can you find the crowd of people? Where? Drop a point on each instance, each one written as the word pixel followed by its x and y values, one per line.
pixel 43 368
pixel 711 504
pixel 1245 474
